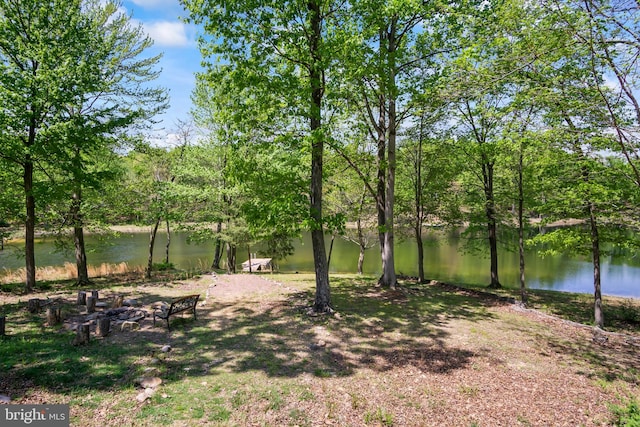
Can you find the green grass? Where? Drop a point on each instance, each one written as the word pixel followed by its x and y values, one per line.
pixel 620 314
pixel 627 415
pixel 215 374
pixel 379 416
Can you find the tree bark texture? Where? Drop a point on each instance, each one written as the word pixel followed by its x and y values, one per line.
pixel 316 79
pixel 595 245
pixel 103 326
pixel 523 285
pixel 33 305
pixel 30 226
pixel 54 315
pixel 490 211
pixel 91 304
pixel 389 271
pixel 333 238
pixel 217 253
pixel 152 241
pixel 419 202
pixel 83 334
pixel 82 298
pixel 361 245
pixel 118 300
pixel 231 258
pixel 382 171
pixel 166 252
pixel 78 236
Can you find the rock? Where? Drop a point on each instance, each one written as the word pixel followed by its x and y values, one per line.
pixel 166 348
pixel 116 311
pixel 93 316
pixel 5 399
pixel 141 397
pixel 132 326
pixel 102 304
pixel 149 382
pixel 159 305
pixel 131 303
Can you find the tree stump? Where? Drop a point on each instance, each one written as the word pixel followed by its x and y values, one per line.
pixel 117 301
pixel 2 323
pixel 91 304
pixel 54 315
pixel 95 295
pixel 82 298
pixel 104 327
pixel 82 334
pixel 33 305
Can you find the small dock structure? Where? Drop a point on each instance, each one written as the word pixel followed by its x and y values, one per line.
pixel 258 264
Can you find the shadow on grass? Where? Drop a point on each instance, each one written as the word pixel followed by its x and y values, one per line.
pixel 231 341
pixel 377 329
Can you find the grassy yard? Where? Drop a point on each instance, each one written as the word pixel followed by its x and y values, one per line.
pixel 422 355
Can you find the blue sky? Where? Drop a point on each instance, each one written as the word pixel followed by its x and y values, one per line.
pixel 181 57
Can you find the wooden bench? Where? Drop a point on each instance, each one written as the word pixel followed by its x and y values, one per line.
pixel 177 306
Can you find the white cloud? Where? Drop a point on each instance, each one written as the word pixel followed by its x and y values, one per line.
pixel 167 33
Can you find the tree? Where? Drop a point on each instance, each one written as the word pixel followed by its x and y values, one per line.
pixel 66 66
pixel 580 182
pixel 609 33
pixel 426 176
pixel 388 46
pixel 39 46
pixel 351 199
pixel 283 50
pixel 490 91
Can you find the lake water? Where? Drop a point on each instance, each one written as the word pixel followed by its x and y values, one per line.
pixel 444 261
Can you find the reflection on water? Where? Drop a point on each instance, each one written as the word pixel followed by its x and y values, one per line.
pixel 444 260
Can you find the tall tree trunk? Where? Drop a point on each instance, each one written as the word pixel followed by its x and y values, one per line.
pixel 316 78
pixel 523 285
pixel 382 171
pixel 30 225
pixel 490 210
pixel 231 258
pixel 152 241
pixel 381 128
pixel 595 245
pixel 217 253
pixel 166 253
pixel 419 202
pixel 418 236
pixel 333 238
pixel 389 274
pixel 362 245
pixel 249 258
pixel 595 237
pixel 78 236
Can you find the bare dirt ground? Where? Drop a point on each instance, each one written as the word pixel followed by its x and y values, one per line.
pixel 511 366
pixel 462 364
